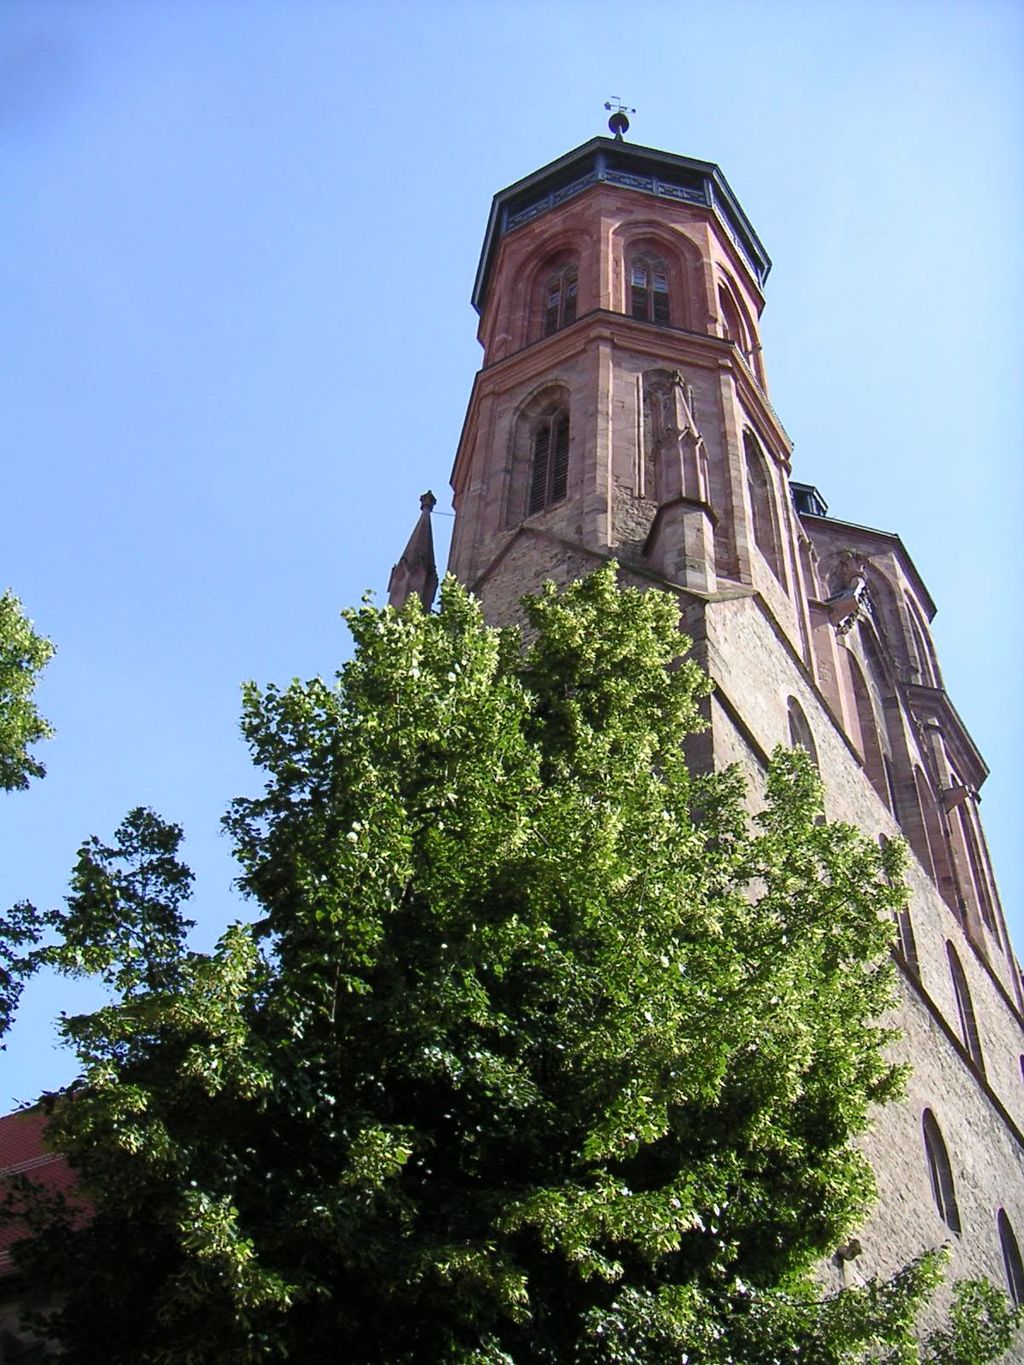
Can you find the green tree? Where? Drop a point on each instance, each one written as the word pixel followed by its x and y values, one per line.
pixel 541 1049
pixel 23 655
pixel 123 920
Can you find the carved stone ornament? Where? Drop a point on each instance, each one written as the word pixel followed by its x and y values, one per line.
pixel 673 449
pixel 850 601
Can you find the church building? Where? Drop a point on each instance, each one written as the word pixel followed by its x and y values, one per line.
pixel 622 412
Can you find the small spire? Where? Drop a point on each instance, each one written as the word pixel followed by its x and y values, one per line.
pixel 415 574
pixel 619 122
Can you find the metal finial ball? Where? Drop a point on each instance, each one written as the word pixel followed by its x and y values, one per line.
pixel 618 123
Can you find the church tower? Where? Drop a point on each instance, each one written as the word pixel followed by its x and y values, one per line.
pixel 622 412
pixel 619 290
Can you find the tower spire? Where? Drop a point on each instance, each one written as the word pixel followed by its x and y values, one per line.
pixel 415 574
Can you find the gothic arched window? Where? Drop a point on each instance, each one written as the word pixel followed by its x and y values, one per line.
pixel 965 1009
pixel 549 472
pixel 732 324
pixel 930 843
pixel 964 817
pixel 736 327
pixel 906 943
pixel 928 667
pixel 559 298
pixel 867 723
pixel 1011 1259
pixel 760 494
pixel 648 288
pixel 799 730
pixel 939 1172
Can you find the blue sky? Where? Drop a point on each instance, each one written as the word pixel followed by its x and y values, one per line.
pixel 237 256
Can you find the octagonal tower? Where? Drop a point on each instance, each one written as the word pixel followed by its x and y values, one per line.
pixel 622 412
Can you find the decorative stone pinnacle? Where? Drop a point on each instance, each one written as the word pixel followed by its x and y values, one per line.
pixel 415 574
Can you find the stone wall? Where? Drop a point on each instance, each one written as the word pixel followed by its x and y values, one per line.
pixel 981 1116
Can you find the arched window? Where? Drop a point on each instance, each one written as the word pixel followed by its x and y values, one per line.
pixel 906 943
pixel 1011 1259
pixel 538 453
pixel 735 327
pixel 732 323
pixel 931 846
pixel 964 817
pixel 648 288
pixel 867 723
pixel 560 290
pixel 760 494
pixel 939 1172
pixel 928 668
pixel 799 730
pixel 549 473
pixel 965 1009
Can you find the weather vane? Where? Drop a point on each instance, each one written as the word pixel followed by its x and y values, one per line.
pixel 619 122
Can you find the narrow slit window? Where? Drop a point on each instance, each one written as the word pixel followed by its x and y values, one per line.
pixel 939 1172
pixel 965 1009
pixel 1011 1259
pixel 906 942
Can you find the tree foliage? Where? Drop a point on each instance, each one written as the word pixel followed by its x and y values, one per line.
pixel 540 1050
pixel 23 655
pixel 123 920
pixel 20 930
